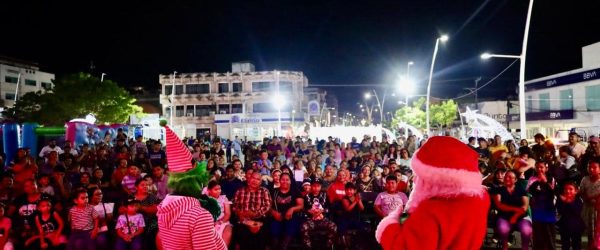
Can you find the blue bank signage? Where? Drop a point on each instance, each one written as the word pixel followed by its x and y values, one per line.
pixel 564 80
pixel 546 115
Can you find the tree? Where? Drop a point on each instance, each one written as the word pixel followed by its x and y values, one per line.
pixel 413 115
pixel 442 114
pixel 74 96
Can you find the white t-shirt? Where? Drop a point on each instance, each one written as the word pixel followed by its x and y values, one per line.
pixel 389 202
pixel 222 200
pixel 100 209
pixel 135 223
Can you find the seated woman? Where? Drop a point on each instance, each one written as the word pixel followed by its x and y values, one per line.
pixel 512 204
pixel 287 204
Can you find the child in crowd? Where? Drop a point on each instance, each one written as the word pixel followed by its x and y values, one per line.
pixel 391 199
pixel 543 211
pixel 49 226
pixel 570 225
pixel 128 182
pixel 222 225
pixel 152 189
pixel 350 217
pixel 44 185
pixel 130 227
pixel 84 222
pixel 5 225
pixel 590 192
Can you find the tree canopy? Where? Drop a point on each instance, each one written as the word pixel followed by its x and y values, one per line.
pixel 442 114
pixel 75 96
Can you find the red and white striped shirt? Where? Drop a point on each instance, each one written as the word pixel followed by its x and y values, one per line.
pixel 184 224
pixel 82 218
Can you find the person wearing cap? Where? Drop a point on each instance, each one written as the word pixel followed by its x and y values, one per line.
pixel 448 206
pixel 577 149
pixel 592 154
pixel 186 217
pixel 316 207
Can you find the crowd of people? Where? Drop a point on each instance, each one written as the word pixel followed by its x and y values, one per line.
pixel 285 193
pixel 540 187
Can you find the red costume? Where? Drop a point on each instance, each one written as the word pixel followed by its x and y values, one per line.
pixel 448 206
pixel 182 222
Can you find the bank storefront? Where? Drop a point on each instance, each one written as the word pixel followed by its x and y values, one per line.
pixel 256 126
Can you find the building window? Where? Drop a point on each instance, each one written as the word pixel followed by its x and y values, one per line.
pixel 223 87
pixel 545 102
pixel 261 86
pixel 529 104
pixel 178 111
pixel 10 79
pixel 285 86
pixel 9 96
pixel 46 85
pixel 237 108
pixel 566 99
pixel 204 110
pixel 197 89
pixel 30 82
pixel 224 109
pixel 189 110
pixel 265 107
pixel 169 89
pixel 237 87
pixel 592 97
pixel 168 111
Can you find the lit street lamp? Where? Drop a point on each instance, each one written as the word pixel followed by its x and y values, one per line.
pixel 279 102
pixel 522 56
pixel 443 38
pixel 408 84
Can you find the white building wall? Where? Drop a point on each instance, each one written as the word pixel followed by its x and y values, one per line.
pixel 8 89
pixel 185 125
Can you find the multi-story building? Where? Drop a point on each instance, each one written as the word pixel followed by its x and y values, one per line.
pixel 19 77
pixel 564 101
pixel 237 103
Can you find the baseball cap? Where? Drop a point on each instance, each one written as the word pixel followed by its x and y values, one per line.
pixel 317 181
pixel 594 139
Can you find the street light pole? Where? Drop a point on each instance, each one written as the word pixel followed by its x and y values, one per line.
pixel 278 106
pixel 172 99
pixel 102 77
pixel 521 57
pixel 407 79
pixel 522 115
pixel 435 50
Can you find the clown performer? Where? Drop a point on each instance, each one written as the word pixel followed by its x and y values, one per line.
pixel 447 207
pixel 186 218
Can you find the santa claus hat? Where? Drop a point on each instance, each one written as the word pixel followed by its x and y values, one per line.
pixel 445 167
pixel 179 158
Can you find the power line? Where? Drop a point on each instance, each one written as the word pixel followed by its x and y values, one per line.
pixel 484 85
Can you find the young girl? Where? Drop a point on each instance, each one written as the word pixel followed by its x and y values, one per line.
pixel 152 189
pixel 130 227
pixel 590 192
pixel 222 225
pixel 571 224
pixel 353 206
pixel 5 225
pixel 84 222
pixel 50 227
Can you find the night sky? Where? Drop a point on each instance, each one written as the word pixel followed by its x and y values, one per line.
pixel 332 42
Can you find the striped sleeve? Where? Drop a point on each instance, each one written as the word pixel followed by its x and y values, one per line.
pixel 204 234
